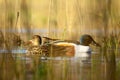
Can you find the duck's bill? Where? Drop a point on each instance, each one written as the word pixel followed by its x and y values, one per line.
pixel 96 44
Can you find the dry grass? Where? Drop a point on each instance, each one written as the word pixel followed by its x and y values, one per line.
pixel 63 20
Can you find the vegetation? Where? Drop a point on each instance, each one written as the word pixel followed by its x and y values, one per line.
pixel 60 19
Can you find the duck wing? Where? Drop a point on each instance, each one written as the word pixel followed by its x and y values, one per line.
pixel 57 50
pixel 49 40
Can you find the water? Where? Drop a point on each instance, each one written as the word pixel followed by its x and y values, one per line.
pixel 56 68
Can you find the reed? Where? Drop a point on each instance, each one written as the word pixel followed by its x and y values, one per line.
pixel 62 19
pixel 110 50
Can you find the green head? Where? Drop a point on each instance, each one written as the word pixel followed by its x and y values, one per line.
pixel 86 40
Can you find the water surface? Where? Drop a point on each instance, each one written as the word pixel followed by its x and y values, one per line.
pixel 57 68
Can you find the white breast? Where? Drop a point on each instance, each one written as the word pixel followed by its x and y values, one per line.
pixel 82 51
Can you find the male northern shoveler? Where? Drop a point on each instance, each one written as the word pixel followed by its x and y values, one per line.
pixel 62 48
pixel 82 49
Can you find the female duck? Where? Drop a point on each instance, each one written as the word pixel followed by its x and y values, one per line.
pixel 34 46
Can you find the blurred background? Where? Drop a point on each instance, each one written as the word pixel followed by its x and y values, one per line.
pixel 63 19
pixel 60 18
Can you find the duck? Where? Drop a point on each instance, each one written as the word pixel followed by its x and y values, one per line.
pixel 59 47
pixel 81 48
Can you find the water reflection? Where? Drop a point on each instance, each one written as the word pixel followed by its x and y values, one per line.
pixel 62 68
pixel 15 51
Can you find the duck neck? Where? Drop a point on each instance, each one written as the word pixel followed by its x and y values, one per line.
pixel 84 44
pixel 36 43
